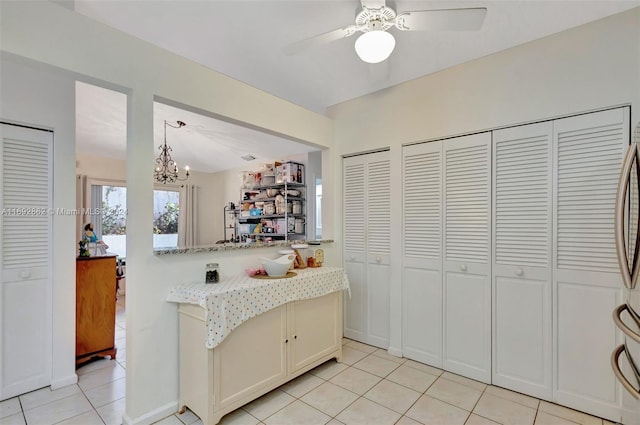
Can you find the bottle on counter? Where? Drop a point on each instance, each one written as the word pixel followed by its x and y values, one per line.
pixel 212 273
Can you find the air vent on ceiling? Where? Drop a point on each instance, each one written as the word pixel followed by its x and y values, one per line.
pixel 248 157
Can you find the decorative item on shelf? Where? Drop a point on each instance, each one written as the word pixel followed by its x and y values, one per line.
pixel 166 170
pixel 83 251
pixel 318 257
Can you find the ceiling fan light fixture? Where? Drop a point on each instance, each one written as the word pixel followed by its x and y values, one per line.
pixel 375 46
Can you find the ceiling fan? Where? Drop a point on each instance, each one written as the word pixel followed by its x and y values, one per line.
pixel 375 44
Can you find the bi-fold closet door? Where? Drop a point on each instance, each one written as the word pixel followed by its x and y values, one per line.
pixel 367 234
pixel 530 308
pixel 446 254
pixel 555 272
pixel 522 260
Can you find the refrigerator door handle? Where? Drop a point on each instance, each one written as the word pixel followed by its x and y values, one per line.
pixel 616 370
pixel 623 326
pixel 629 276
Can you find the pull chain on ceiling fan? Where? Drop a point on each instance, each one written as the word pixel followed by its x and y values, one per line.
pixel 376 44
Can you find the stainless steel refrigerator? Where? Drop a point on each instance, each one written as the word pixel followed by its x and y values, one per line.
pixel 625 359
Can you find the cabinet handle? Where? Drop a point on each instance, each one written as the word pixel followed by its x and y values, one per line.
pixel 463 267
pixel 286 341
pixel 519 271
pixel 295 337
pixel 378 259
pixel 25 274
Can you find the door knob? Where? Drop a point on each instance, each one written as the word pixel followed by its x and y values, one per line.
pixel 519 271
pixel 378 259
pixel 25 274
pixel 463 267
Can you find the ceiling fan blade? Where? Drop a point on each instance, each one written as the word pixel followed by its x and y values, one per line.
pixel 373 4
pixel 327 37
pixel 446 19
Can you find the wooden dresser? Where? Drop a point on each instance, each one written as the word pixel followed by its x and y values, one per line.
pixel 95 307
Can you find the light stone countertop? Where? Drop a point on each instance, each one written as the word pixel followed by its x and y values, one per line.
pixel 233 246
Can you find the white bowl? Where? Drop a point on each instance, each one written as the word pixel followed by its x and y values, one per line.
pixel 278 267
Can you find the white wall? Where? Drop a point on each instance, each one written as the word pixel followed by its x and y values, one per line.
pixel 590 67
pixel 44 99
pixel 76 46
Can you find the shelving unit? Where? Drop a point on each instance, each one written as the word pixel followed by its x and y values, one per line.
pixel 282 216
pixel 231 214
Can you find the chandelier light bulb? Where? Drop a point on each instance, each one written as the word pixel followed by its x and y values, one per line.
pixel 375 46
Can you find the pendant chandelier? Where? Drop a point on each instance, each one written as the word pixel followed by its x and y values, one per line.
pixel 166 170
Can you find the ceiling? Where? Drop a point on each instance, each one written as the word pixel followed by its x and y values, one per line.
pixel 204 144
pixel 245 40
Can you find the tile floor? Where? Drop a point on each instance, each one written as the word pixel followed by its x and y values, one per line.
pixel 369 387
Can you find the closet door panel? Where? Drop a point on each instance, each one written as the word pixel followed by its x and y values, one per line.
pixel 25 234
pixel 587 285
pixel 422 315
pixel 422 253
pixel 354 206
pixel 467 267
pixel 378 303
pixel 367 232
pixel 467 331
pixel 522 217
pixel 378 228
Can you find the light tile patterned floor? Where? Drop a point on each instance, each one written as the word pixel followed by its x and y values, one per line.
pixel 370 387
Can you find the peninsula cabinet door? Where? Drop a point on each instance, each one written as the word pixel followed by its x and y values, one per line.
pixel 315 329
pixel 522 198
pixel 247 371
pixel 25 286
pixel 467 268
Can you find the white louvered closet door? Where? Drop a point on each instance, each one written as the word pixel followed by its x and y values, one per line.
pixel 587 287
pixel 378 225
pixel 367 233
pixel 422 253
pixel 522 217
pixel 467 265
pixel 25 295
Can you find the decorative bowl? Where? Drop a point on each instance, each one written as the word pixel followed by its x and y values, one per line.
pixel 278 267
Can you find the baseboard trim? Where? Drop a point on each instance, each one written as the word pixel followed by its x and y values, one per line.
pixel 152 416
pixel 395 351
pixel 64 382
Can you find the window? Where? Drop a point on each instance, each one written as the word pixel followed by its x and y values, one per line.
pixel 111 225
pixel 166 208
pixel 109 217
pixel 318 208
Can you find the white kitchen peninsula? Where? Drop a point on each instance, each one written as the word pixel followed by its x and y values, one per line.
pixel 243 337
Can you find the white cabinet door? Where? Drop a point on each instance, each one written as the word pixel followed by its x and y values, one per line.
pixel 315 329
pixel 467 266
pixel 240 371
pixel 422 253
pixel 587 286
pixel 367 232
pixel 522 197
pixel 25 291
